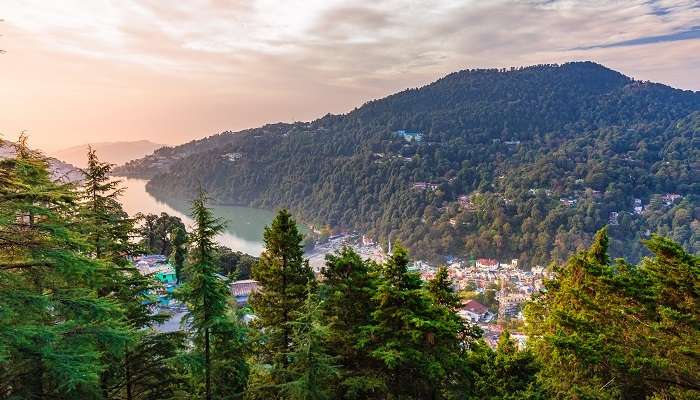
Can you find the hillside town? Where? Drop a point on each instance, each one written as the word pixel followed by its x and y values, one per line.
pixel 507 285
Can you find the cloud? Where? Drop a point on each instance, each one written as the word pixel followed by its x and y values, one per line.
pixel 343 39
pixel 239 63
pixel 690 34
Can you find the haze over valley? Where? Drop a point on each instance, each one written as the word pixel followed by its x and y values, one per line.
pixel 112 152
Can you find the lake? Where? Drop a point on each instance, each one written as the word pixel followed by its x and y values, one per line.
pixel 244 225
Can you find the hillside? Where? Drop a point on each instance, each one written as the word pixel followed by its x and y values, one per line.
pixel 112 152
pixel 524 163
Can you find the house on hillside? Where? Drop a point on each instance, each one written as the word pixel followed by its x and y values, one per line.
pixel 157 266
pixel 613 218
pixel 424 186
pixel 241 290
pixel 568 202
pixel 487 263
pixel 670 198
pixel 232 157
pixel 410 136
pixel 475 312
pixel 638 207
pixel 466 203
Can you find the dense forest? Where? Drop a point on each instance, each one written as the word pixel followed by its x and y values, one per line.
pixel 522 163
pixel 76 320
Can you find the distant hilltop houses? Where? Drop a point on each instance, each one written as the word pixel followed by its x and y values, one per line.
pixel 410 136
pixel 232 157
pixel 424 186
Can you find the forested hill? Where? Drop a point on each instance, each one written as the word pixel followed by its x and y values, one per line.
pixel 541 157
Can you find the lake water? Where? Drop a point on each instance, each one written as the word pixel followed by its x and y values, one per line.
pixel 244 225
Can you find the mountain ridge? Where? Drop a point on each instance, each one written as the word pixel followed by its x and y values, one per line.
pixel 115 152
pixel 491 135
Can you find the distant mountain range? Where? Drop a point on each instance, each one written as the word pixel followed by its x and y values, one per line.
pixel 113 152
pixel 501 163
pixel 60 171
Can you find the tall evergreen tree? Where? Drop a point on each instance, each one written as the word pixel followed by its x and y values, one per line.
pixel 311 369
pixel 108 228
pixel 179 252
pixel 347 290
pixel 618 331
pixel 441 292
pixel 456 337
pixel 506 373
pixel 410 339
pixel 110 231
pixel 55 327
pixel 207 298
pixel 148 371
pixel 285 278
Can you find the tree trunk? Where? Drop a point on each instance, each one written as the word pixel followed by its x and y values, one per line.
pixel 285 324
pixel 207 363
pixel 127 372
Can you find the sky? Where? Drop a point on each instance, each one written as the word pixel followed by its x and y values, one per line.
pixel 81 71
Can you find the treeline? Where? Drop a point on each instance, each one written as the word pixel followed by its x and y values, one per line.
pixel 518 142
pixel 76 321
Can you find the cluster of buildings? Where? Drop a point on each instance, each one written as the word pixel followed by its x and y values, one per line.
pixel 232 157
pixel 410 136
pixel 424 186
pixel 157 266
pixel 667 200
pixel 513 285
pixel 466 203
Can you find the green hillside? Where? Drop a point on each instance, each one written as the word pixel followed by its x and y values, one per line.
pixel 541 157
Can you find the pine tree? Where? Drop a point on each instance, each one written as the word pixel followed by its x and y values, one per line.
pixel 311 369
pixel 110 231
pixel 440 290
pixel 179 253
pixel 506 373
pixel 285 277
pixel 230 370
pixel 149 368
pixel 55 326
pixel 614 330
pixel 108 228
pixel 207 298
pixel 407 336
pixel 347 290
pixel 454 335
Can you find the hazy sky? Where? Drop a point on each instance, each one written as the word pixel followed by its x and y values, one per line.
pixel 170 71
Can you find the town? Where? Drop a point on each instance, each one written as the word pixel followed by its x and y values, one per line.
pixel 493 293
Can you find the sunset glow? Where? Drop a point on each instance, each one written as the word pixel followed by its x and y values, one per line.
pixel 76 71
